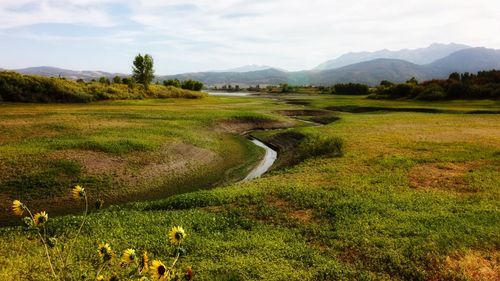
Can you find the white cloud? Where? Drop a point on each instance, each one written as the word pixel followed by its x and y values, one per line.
pixel 29 12
pixel 293 34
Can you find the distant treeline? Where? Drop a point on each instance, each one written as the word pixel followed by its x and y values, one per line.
pixel 186 84
pixel 483 85
pixel 15 87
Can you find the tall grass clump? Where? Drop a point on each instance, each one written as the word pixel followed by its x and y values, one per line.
pixel 316 145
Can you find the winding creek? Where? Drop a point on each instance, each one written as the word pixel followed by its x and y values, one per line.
pixel 270 155
pixel 265 164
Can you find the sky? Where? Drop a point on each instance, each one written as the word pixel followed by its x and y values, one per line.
pixel 199 35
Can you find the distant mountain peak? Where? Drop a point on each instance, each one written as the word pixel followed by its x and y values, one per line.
pixel 246 68
pixel 420 56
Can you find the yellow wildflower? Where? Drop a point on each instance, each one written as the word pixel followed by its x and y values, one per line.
pixel 40 218
pixel 177 235
pixel 158 271
pixel 17 208
pixel 78 192
pixel 128 256
pixel 105 251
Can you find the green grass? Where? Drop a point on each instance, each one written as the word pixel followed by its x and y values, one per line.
pixel 124 149
pixel 414 197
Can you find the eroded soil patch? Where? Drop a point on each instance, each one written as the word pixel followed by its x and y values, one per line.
pixel 287 145
pixel 442 176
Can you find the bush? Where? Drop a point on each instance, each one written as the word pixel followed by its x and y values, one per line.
pixel 351 89
pixel 172 82
pixel 25 88
pixel 192 85
pixel 432 92
pixel 316 145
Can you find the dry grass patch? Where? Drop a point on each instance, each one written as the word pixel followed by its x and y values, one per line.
pixel 303 216
pixel 443 176
pixel 476 265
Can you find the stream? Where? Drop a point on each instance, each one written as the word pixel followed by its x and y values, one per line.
pixel 266 162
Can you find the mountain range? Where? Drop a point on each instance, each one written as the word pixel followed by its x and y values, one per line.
pixel 416 56
pixel 436 61
pixel 70 74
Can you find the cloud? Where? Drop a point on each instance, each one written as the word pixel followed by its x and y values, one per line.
pixel 30 12
pixel 292 34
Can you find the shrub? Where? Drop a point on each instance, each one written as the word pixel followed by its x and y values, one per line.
pixel 192 85
pixel 351 89
pixel 316 145
pixel 432 92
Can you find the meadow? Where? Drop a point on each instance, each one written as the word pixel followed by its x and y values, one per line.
pixel 412 196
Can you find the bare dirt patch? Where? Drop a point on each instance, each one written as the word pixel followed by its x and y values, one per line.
pixel 443 176
pixel 138 169
pixel 93 162
pixel 303 216
pixel 476 265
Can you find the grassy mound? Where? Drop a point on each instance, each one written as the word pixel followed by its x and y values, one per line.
pixel 15 87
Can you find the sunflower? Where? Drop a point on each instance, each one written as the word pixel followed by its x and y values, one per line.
pixel 17 208
pixel 158 271
pixel 128 256
pixel 105 251
pixel 100 278
pixel 177 235
pixel 144 263
pixel 78 192
pixel 41 218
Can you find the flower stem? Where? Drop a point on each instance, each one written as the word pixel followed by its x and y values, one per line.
pixel 100 269
pixel 80 228
pixel 44 244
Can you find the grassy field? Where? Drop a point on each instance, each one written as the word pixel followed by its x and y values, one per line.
pixel 414 197
pixel 123 150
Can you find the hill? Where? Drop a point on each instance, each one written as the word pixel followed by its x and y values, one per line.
pixel 246 68
pixel 372 72
pixel 417 56
pixel 268 76
pixel 49 71
pixel 16 87
pixel 469 60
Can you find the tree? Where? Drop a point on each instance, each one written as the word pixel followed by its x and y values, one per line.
pixel 104 80
pixel 117 80
pixel 142 69
pixel 454 76
pixel 413 81
pixel 172 82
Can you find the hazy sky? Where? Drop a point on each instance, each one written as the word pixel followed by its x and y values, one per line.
pixel 196 35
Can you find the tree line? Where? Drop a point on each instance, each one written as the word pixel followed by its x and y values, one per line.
pixel 483 85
